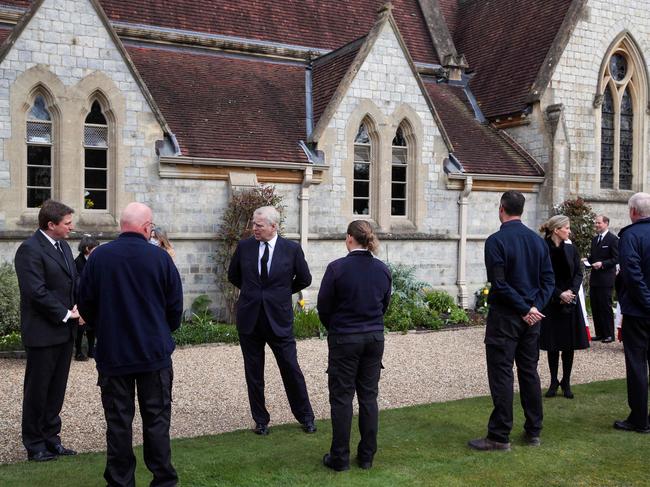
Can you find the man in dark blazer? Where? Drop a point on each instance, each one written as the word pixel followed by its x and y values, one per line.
pixel 633 289
pixel 522 282
pixel 603 258
pixel 131 291
pixel 47 279
pixel 268 269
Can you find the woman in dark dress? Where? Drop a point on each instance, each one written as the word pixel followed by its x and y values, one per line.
pixel 86 246
pixel 353 297
pixel 563 330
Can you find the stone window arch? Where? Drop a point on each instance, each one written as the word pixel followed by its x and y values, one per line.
pixel 621 102
pixel 41 129
pixel 365 171
pixel 402 168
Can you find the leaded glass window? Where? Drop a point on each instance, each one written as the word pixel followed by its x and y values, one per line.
pixel 607 141
pixel 399 170
pixel 96 159
pixel 627 141
pixel 362 172
pixel 39 140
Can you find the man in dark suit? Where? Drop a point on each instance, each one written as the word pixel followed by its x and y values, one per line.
pixel 131 291
pixel 268 269
pixel 522 282
pixel 46 276
pixel 603 258
pixel 633 289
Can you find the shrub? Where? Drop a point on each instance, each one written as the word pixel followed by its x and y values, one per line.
pixel 423 317
pixel 306 323
pixel 199 332
pixel 405 285
pixel 481 305
pixel 9 300
pixel 236 225
pixel 11 341
pixel 439 301
pixel 582 222
pixel 458 316
pixel 201 309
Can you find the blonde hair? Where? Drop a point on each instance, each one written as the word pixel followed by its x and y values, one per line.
pixel 362 232
pixel 553 223
pixel 161 235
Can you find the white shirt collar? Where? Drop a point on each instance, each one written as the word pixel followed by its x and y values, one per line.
pixel 270 242
pixel 604 233
pixel 52 241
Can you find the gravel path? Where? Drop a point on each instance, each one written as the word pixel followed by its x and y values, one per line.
pixel 210 391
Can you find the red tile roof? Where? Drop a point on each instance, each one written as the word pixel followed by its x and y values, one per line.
pixel 328 73
pixel 4 33
pixel 227 107
pixel 505 42
pixel 324 24
pixel 480 148
pixel 449 9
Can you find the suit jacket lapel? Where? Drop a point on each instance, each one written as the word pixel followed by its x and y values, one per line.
pixel 51 251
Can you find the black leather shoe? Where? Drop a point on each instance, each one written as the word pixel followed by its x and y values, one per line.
pixel 608 340
pixel 486 444
pixel 329 463
pixel 364 464
pixel 309 427
pixel 596 338
pixel 80 357
pixel 61 450
pixel 41 456
pixel 625 425
pixel 552 389
pixel 566 390
pixel 261 429
pixel 531 440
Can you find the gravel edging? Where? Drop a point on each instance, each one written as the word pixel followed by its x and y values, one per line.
pixel 210 392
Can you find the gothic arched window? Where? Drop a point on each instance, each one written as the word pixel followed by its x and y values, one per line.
pixel 399 174
pixel 362 171
pixel 39 140
pixel 96 166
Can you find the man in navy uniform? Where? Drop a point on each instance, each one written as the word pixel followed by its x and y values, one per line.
pixel 521 277
pixel 633 289
pixel 132 292
pixel 47 279
pixel 268 269
pixel 603 258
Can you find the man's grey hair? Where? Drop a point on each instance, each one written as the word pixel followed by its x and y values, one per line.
pixel 271 215
pixel 641 203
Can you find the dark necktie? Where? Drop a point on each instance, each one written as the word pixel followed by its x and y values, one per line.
pixel 600 240
pixel 60 249
pixel 264 271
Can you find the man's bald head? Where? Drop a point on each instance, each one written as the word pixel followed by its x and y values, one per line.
pixel 137 217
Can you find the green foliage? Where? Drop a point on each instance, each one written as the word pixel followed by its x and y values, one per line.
pixel 9 300
pixel 439 301
pixel 201 312
pixel 199 332
pixel 11 341
pixel 306 323
pixel 481 305
pixel 236 225
pixel 415 305
pixel 582 222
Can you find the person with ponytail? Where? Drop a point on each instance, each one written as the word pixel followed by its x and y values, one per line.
pixel 353 298
pixel 563 329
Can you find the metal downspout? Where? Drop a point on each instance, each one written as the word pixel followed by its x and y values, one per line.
pixel 463 203
pixel 309 172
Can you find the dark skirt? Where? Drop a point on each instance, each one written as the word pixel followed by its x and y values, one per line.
pixel 563 328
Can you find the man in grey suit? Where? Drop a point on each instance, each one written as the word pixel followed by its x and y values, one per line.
pixel 47 279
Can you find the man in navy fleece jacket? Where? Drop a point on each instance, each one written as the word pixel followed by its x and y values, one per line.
pixel 132 291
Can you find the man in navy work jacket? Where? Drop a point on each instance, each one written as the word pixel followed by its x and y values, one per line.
pixel 633 288
pixel 268 269
pixel 48 320
pixel 132 292
pixel 522 281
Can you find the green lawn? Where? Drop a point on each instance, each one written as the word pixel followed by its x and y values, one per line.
pixel 418 446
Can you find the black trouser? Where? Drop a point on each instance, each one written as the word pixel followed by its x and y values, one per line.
pixel 90 335
pixel 636 344
pixel 354 364
pixel 601 310
pixel 155 400
pixel 284 349
pixel 508 340
pixel 46 377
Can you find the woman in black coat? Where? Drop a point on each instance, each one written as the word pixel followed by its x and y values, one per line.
pixel 86 246
pixel 563 329
pixel 353 297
